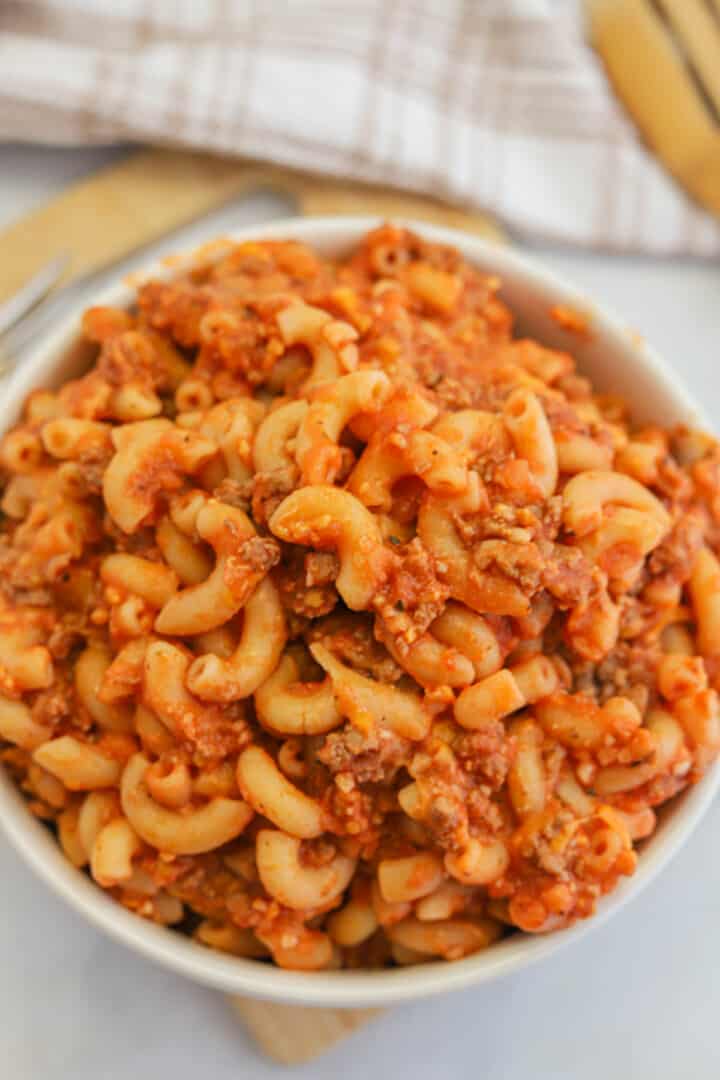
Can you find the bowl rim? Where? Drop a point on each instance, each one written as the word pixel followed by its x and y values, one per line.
pixel 341 989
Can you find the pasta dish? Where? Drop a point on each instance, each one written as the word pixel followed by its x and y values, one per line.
pixel 343 627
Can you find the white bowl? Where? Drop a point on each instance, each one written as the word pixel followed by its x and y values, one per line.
pixel 615 359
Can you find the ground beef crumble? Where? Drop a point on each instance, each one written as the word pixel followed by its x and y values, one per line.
pixel 412 595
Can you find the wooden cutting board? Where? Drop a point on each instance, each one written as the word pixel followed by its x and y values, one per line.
pixel 126 206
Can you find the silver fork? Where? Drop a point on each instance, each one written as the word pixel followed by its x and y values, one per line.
pixel 28 299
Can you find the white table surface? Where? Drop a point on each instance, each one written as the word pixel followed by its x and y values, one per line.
pixel 639 997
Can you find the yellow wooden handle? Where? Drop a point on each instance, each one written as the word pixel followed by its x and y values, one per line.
pixel 105 217
pixel 292 1034
pixel 649 74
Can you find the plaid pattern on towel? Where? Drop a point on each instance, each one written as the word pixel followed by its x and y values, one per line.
pixel 499 104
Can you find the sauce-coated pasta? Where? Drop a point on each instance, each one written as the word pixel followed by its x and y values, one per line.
pixel 341 627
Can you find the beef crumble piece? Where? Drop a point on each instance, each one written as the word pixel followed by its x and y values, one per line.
pixel 258 554
pixel 351 639
pixel 306 582
pixel 321 568
pixel 55 707
pixel 236 341
pixel 486 754
pixel 370 757
pixel 234 493
pixel 215 732
pixel 567 574
pixel 85 475
pixel 675 555
pixel 176 308
pixel 204 883
pixel 354 810
pixel 267 491
pixel 129 357
pixel 629 665
pixel 521 563
pixel 412 595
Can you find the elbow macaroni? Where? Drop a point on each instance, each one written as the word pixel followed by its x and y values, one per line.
pixel 214 601
pixel 344 623
pixel 256 656
pixel 326 517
